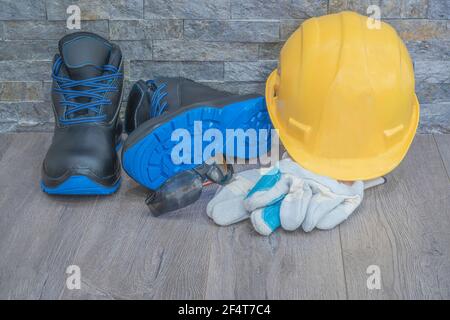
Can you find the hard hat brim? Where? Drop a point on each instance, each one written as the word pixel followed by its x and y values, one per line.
pixel 340 169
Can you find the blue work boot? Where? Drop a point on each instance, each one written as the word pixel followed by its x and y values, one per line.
pixel 87 91
pixel 158 108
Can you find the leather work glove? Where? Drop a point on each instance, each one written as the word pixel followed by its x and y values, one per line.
pixel 311 201
pixel 288 196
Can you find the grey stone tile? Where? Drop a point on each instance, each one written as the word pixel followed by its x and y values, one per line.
pixel 432 71
pixel 187 9
pixel 421 29
pixel 230 30
pixel 47 90
pixel 277 9
pixel 25 70
pixel 434 118
pixel 439 9
pixel 97 9
pixel 359 6
pixel 50 30
pixel 8 112
pixel 34 127
pixel 433 92
pixel 22 10
pixel 136 50
pixel 414 8
pixel 429 50
pixel 146 29
pixel 238 87
pixel 193 70
pixel 249 71
pixel 33 113
pixel 21 91
pixel 126 68
pixel 388 8
pixel 185 50
pixel 27 50
pixel 270 51
pixel 7 126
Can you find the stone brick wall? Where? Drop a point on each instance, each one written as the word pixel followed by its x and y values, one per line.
pixel 229 44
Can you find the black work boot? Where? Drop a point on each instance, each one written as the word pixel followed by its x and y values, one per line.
pixel 161 111
pixel 87 92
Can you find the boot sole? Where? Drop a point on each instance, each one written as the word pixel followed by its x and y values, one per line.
pixel 80 185
pixel 148 159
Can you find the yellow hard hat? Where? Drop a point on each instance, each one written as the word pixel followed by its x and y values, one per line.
pixel 343 97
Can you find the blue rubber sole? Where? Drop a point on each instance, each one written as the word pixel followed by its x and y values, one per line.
pixel 148 161
pixel 80 185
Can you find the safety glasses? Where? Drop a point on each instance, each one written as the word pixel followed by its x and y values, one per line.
pixel 186 187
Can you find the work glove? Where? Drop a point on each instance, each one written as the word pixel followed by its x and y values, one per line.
pixel 287 196
pixel 304 199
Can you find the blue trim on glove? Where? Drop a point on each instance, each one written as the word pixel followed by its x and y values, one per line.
pixel 266 182
pixel 271 214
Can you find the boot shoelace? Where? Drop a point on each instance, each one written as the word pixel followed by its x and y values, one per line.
pixel 99 87
pixel 157 105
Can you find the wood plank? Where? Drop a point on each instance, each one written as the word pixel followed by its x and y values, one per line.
pixel 285 265
pixel 443 143
pixel 5 142
pixel 19 277
pixel 129 254
pixel 38 233
pixel 402 227
pixel 124 252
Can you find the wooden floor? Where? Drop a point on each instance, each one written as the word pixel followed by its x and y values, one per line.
pixel 125 253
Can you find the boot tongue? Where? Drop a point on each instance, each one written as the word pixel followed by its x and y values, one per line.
pixel 84 55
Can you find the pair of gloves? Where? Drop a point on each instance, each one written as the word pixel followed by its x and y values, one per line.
pixel 288 196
